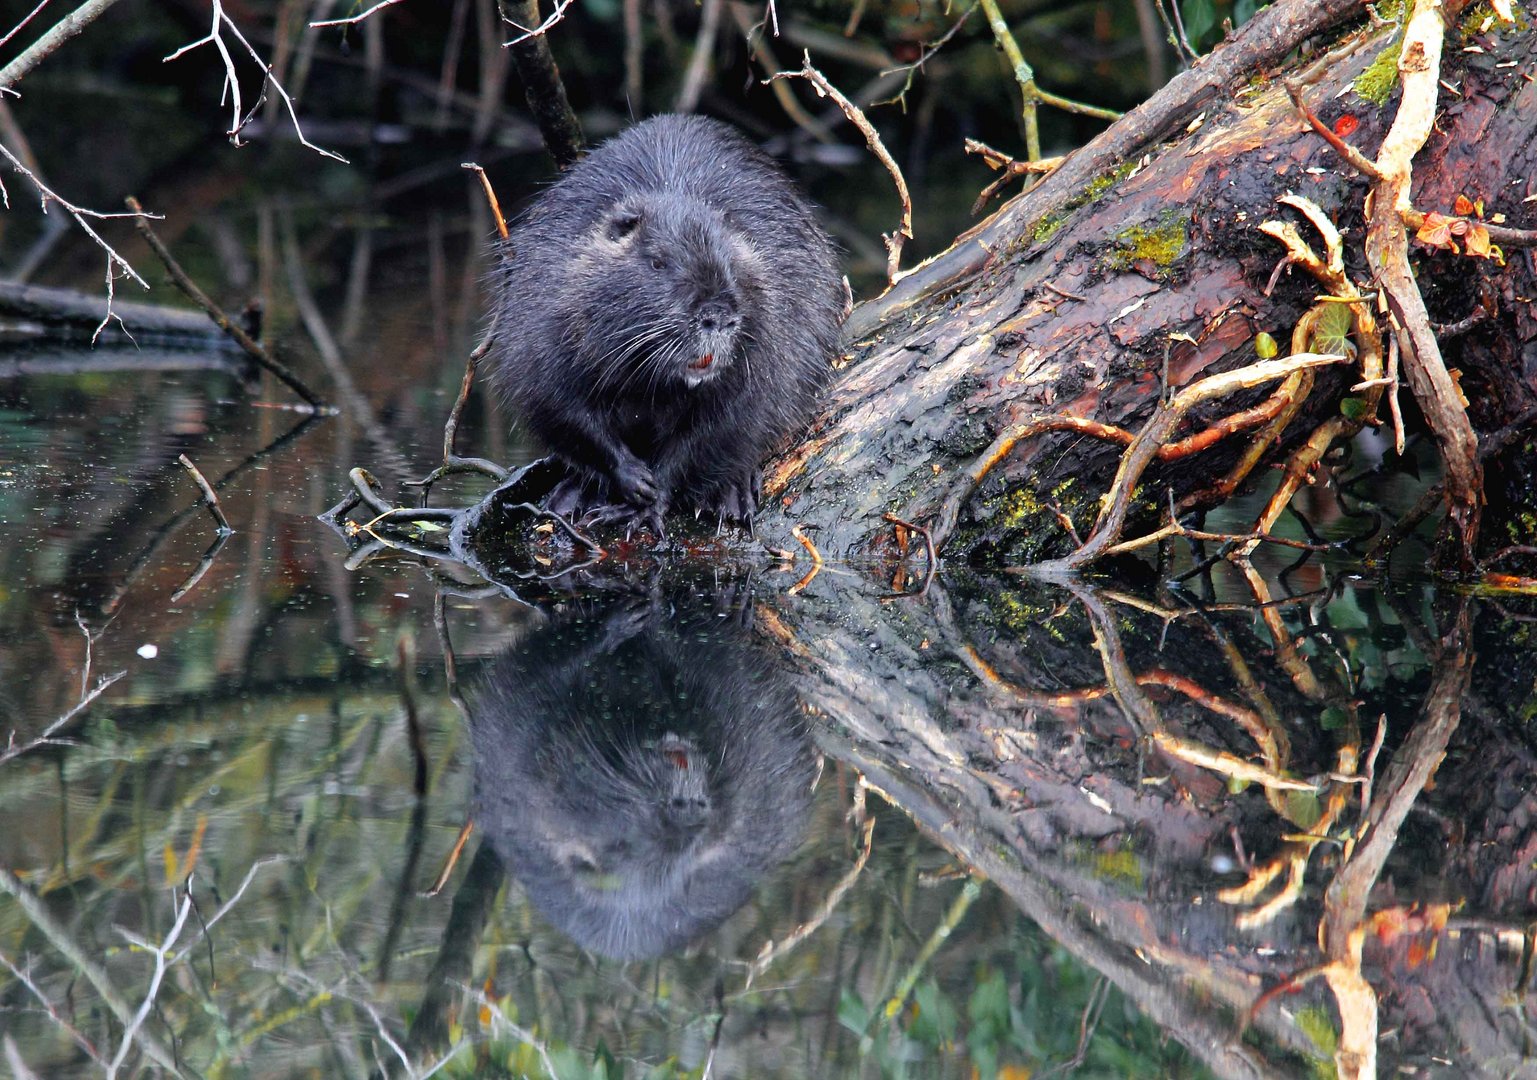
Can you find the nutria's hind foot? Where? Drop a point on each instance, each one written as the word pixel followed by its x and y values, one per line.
pixel 736 503
pixel 569 498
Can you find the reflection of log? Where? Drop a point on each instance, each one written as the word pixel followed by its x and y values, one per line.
pixel 961 708
pixel 1074 314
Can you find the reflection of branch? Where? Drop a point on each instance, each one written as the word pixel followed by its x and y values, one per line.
pixel 1345 923
pixel 131 1029
pixel 47 736
pixel 521 1034
pixel 175 522
pixel 53 1013
pixel 224 908
pixel 773 950
pixel 59 937
pixel 1399 785
pixel 952 918
pixel 222 534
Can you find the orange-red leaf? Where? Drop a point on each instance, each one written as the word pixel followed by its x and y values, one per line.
pixel 1436 231
pixel 1463 206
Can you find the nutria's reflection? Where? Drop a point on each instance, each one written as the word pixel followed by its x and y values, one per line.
pixel 638 770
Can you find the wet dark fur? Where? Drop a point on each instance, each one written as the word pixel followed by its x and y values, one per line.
pixel 672 241
pixel 638 773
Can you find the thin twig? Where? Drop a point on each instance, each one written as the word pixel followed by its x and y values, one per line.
pixel 238 122
pixel 220 318
pixel 904 231
pixel 46 738
pixel 932 565
pixel 351 19
pixel 159 951
pixel 115 262
pixel 210 499
pixel 58 936
pixel 69 1029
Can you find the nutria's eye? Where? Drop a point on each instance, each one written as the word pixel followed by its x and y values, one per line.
pixel 659 264
pixel 622 225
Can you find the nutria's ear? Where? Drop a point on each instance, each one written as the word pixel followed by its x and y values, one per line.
pixel 622 223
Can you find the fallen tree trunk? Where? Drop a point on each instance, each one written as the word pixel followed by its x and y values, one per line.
pixel 1140 268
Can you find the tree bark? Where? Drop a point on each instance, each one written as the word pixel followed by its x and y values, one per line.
pixel 1124 275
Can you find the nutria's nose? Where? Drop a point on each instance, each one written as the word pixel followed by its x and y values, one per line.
pixel 686 812
pixel 719 314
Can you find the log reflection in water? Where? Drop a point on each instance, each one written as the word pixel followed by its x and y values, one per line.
pixel 1104 794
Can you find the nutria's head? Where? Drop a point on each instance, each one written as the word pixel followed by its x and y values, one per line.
pixel 669 289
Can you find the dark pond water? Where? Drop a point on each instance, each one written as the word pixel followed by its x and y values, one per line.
pixel 728 820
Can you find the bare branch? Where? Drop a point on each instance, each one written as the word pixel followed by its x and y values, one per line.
pixel 46 738
pixel 238 120
pixel 351 19
pixel 159 952
pixel 116 264
pixel 538 30
pixel 35 53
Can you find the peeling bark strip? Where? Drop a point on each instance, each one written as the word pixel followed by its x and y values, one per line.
pixel 1120 280
pixel 1387 250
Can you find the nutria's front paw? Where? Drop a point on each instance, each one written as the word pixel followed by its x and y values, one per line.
pixel 634 483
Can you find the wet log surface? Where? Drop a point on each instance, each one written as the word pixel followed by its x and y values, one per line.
pixel 1076 315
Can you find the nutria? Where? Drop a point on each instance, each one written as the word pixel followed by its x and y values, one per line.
pixel 638 770
pixel 667 312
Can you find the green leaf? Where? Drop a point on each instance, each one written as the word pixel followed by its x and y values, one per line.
pixel 1331 333
pixel 1354 408
pixel 853 1013
pixel 935 1023
pixel 1200 16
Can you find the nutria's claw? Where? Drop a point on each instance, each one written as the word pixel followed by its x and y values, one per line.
pixel 633 519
